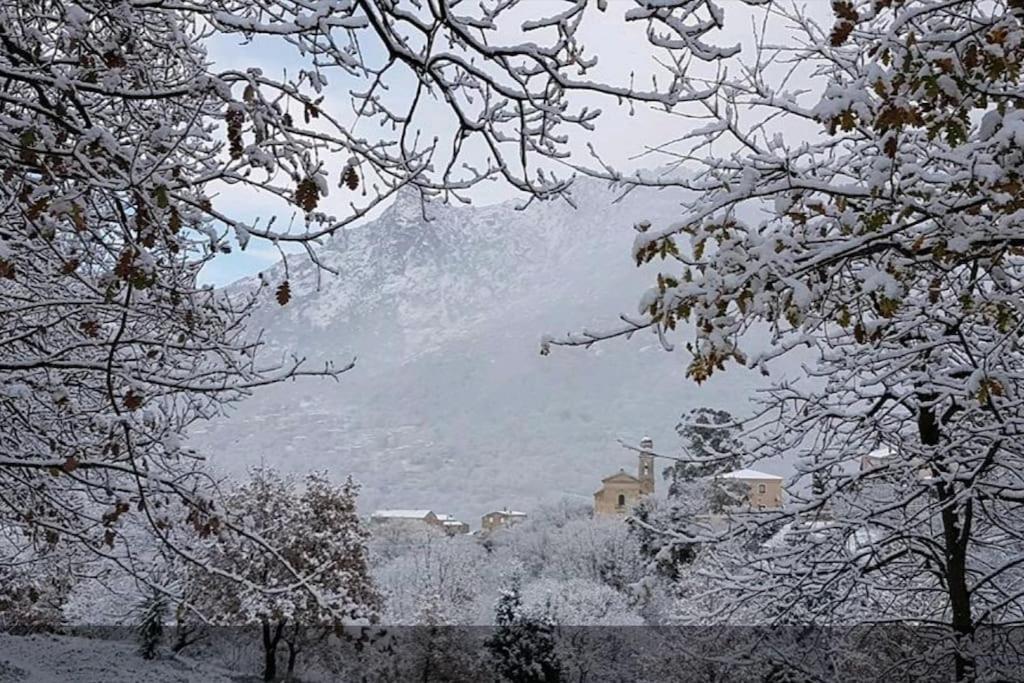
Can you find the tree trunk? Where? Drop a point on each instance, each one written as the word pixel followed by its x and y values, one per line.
pixel 955 537
pixel 959 597
pixel 293 654
pixel 428 660
pixel 270 643
pixel 182 639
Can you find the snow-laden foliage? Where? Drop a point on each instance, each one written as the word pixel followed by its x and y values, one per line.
pixel 710 446
pixel 119 137
pixel 34 587
pixel 430 574
pixel 307 575
pixel 559 551
pixel 523 643
pixel 862 197
pixel 598 549
pixel 554 608
pixel 580 601
pixel 109 349
pixel 313 523
pixel 152 614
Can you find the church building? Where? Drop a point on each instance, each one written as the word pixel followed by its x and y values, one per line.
pixel 621 491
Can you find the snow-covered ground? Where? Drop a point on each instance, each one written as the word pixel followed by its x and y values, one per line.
pixel 68 659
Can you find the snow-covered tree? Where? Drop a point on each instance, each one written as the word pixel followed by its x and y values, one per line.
pixel 597 549
pixel 152 612
pixel 574 546
pixel 862 199
pixel 710 446
pixel 450 578
pixel 121 136
pixel 591 622
pixel 313 561
pixel 34 588
pixel 579 602
pixel 523 643
pixel 437 649
pixel 667 554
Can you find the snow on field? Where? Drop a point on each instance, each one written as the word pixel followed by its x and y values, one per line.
pixel 66 659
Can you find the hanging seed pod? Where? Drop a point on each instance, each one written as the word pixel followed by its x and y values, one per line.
pixel 350 177
pixel 283 293
pixel 235 117
pixel 307 195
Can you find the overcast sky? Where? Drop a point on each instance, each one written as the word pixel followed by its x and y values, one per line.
pixel 621 137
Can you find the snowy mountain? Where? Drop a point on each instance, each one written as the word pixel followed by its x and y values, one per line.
pixel 450 406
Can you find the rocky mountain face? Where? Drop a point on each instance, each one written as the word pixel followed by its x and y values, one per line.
pixel 450 405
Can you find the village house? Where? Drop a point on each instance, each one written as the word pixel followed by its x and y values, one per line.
pixel 418 519
pixel 883 460
pixel 500 518
pixel 876 459
pixel 452 526
pixel 764 491
pixel 621 491
pixel 410 519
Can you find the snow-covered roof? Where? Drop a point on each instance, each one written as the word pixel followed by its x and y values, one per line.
pixel 883 452
pixel 508 513
pixel 793 529
pixel 442 517
pixel 452 522
pixel 620 475
pixel 402 514
pixel 750 474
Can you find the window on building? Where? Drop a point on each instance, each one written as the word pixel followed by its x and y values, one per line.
pixel 761 488
pixel 622 500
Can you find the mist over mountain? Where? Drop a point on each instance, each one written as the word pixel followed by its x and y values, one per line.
pixel 450 406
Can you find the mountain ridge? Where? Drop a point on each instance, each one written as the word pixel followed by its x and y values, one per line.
pixel 450 406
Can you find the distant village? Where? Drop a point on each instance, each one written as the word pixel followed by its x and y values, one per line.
pixel 416 519
pixel 619 493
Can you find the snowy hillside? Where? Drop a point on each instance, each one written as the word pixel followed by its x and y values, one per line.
pixel 450 406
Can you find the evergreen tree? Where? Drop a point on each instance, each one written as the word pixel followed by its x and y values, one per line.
pixel 150 629
pixel 710 446
pixel 666 554
pixel 725 494
pixel 523 645
pixel 439 650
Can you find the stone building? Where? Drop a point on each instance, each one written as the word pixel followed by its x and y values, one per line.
pixel 419 519
pixel 411 519
pixel 621 491
pixel 500 518
pixel 887 462
pixel 764 491
pixel 452 526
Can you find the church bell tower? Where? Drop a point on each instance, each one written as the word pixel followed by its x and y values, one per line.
pixel 645 466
